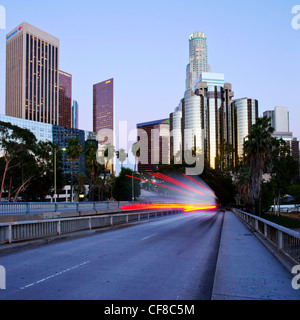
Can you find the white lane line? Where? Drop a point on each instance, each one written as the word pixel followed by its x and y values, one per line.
pixel 54 275
pixel 148 236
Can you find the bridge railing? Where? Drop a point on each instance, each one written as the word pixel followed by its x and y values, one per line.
pixel 285 240
pixel 8 208
pixel 33 229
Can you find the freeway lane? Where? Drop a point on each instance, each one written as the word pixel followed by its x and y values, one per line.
pixel 170 258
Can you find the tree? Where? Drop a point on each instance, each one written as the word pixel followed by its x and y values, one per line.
pixel 73 151
pixel 16 145
pixel 26 166
pixel 222 185
pixel 92 165
pixel 122 189
pixel 122 156
pixel 136 151
pixel 105 157
pixel 258 148
pixel 284 169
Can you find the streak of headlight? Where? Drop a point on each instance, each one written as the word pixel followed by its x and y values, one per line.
pixel 184 207
pixel 199 184
pixel 159 184
pixel 174 181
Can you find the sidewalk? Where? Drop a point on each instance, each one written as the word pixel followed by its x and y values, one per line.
pixel 246 269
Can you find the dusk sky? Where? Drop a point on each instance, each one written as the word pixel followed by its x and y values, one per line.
pixel 143 45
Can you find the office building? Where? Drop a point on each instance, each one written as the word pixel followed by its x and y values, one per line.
pixel 154 139
pixel 103 106
pixel 205 119
pixel 279 119
pixel 198 62
pixel 75 115
pixel 32 81
pixel 59 136
pixel 281 124
pixel 65 99
pixel 176 134
pixel 244 115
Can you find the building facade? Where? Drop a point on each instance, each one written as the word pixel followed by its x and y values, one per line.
pixel 103 106
pixel 154 139
pixel 75 115
pixel 32 80
pixel 281 124
pixel 59 136
pixel 198 62
pixel 176 134
pixel 279 119
pixel 65 99
pixel 244 115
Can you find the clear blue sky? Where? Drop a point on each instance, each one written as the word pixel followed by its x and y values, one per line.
pixel 143 45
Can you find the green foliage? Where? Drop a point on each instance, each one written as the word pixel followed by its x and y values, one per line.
pixel 122 190
pixel 26 166
pixel 221 183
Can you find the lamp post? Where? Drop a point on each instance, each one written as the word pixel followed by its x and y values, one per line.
pixel 55 188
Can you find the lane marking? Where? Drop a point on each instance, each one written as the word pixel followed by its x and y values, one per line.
pixel 54 275
pixel 148 236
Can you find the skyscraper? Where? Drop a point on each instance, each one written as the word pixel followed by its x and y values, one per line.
pixel 197 59
pixel 154 144
pixel 281 124
pixel 244 115
pixel 75 115
pixel 279 119
pixel 103 106
pixel 65 99
pixel 32 64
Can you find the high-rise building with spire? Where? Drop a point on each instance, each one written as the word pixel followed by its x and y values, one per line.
pixel 198 62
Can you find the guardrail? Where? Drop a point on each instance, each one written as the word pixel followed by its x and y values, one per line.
pixel 29 230
pixel 7 208
pixel 285 240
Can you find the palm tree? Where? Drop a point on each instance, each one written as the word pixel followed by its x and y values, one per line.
pixel 121 155
pixel 92 165
pixel 258 148
pixel 136 151
pixel 108 154
pixel 73 151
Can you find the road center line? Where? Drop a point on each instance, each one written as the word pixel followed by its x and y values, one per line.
pixel 54 275
pixel 148 236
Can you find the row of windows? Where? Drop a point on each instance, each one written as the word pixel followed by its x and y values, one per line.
pixel 41 80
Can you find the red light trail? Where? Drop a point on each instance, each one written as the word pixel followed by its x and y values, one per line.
pixel 174 181
pixel 158 184
pixel 199 184
pixel 184 207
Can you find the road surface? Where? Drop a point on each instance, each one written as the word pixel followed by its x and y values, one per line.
pixel 169 258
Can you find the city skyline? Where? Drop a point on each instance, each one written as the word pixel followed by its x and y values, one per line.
pixel 253 70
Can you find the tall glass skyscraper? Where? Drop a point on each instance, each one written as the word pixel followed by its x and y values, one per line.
pixel 65 99
pixel 244 115
pixel 32 64
pixel 103 114
pixel 205 119
pixel 103 105
pixel 75 115
pixel 197 58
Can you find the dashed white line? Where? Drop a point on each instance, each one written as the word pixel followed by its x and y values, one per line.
pixel 148 236
pixel 54 275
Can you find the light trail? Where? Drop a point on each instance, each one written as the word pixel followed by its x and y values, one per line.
pixel 199 184
pixel 174 181
pixel 159 184
pixel 184 207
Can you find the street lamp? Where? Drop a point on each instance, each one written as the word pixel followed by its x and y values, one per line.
pixel 55 189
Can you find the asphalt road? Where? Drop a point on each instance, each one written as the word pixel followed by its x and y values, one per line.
pixel 169 258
